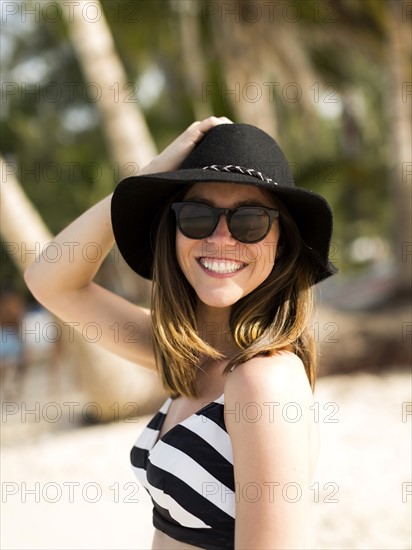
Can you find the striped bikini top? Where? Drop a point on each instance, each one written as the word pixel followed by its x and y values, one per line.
pixel 189 475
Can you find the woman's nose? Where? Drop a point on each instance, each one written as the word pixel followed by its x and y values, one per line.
pixel 221 232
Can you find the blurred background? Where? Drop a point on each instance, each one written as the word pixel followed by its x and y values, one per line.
pixel 90 92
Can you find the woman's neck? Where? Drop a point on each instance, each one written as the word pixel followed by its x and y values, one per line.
pixel 214 328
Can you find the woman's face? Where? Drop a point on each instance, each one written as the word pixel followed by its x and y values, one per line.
pixel 221 269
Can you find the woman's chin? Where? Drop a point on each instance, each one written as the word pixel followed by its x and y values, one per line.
pixel 218 299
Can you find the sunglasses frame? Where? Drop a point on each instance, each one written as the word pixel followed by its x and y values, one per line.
pixel 272 214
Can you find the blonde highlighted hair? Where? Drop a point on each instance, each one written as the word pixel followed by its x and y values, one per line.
pixel 274 317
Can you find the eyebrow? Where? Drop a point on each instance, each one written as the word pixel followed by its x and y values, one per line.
pixel 251 202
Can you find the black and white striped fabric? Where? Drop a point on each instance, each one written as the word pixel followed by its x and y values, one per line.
pixel 189 475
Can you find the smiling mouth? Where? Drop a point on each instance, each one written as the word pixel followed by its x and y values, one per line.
pixel 222 266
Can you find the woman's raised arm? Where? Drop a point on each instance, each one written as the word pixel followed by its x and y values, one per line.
pixel 66 287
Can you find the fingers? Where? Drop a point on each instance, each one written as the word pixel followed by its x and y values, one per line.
pixel 208 123
pixel 225 120
pixel 171 157
pixel 198 129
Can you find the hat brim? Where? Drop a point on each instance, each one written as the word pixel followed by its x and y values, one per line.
pixel 138 200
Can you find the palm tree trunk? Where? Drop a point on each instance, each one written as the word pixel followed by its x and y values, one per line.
pixel 192 55
pixel 125 128
pixel 399 109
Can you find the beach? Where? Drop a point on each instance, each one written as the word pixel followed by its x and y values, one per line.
pixel 75 489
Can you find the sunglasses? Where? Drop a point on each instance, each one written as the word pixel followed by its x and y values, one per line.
pixel 247 224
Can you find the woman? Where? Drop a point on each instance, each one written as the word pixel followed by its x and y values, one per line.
pixel 233 249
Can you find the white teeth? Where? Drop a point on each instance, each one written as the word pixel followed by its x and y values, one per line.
pixel 221 266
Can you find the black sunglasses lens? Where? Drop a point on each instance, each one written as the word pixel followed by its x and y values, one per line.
pixel 249 225
pixel 196 221
pixel 246 224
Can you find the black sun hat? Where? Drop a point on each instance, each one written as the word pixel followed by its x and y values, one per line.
pixel 237 153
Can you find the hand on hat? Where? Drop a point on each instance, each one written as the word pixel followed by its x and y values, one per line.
pixel 172 157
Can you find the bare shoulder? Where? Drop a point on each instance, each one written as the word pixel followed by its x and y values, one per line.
pixel 281 376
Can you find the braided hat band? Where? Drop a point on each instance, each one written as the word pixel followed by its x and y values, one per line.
pixel 240 170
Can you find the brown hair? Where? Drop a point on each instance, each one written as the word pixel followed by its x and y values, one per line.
pixel 273 318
